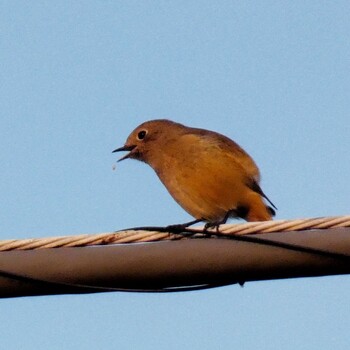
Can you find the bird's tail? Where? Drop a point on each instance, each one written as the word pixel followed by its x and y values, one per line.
pixel 257 210
pixel 256 188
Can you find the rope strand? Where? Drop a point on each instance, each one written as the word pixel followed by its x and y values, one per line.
pixel 152 234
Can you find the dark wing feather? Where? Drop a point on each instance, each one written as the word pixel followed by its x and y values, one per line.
pixel 256 188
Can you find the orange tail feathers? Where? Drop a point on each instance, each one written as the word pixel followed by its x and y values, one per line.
pixel 257 209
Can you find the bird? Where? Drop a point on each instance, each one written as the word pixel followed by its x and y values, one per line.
pixel 209 175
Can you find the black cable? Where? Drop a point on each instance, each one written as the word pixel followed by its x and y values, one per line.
pixel 188 232
pixel 94 289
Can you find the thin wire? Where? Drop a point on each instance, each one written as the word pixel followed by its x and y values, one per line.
pixel 83 288
pixel 147 234
pixel 194 233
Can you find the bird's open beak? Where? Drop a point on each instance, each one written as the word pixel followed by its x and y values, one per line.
pixel 122 149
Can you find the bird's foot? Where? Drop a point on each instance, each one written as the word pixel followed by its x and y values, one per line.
pixel 216 224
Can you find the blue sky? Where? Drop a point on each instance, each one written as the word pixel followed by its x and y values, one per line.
pixel 77 77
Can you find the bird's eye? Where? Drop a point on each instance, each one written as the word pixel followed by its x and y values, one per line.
pixel 141 135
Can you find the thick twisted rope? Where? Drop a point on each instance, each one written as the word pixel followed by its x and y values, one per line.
pixel 147 234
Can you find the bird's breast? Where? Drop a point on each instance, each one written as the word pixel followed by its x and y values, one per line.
pixel 205 181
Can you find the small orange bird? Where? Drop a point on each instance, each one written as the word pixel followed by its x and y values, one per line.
pixel 207 173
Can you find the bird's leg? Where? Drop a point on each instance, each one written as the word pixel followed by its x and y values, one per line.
pixel 179 227
pixel 216 224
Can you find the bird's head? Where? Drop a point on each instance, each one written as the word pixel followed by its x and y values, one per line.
pixel 148 139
